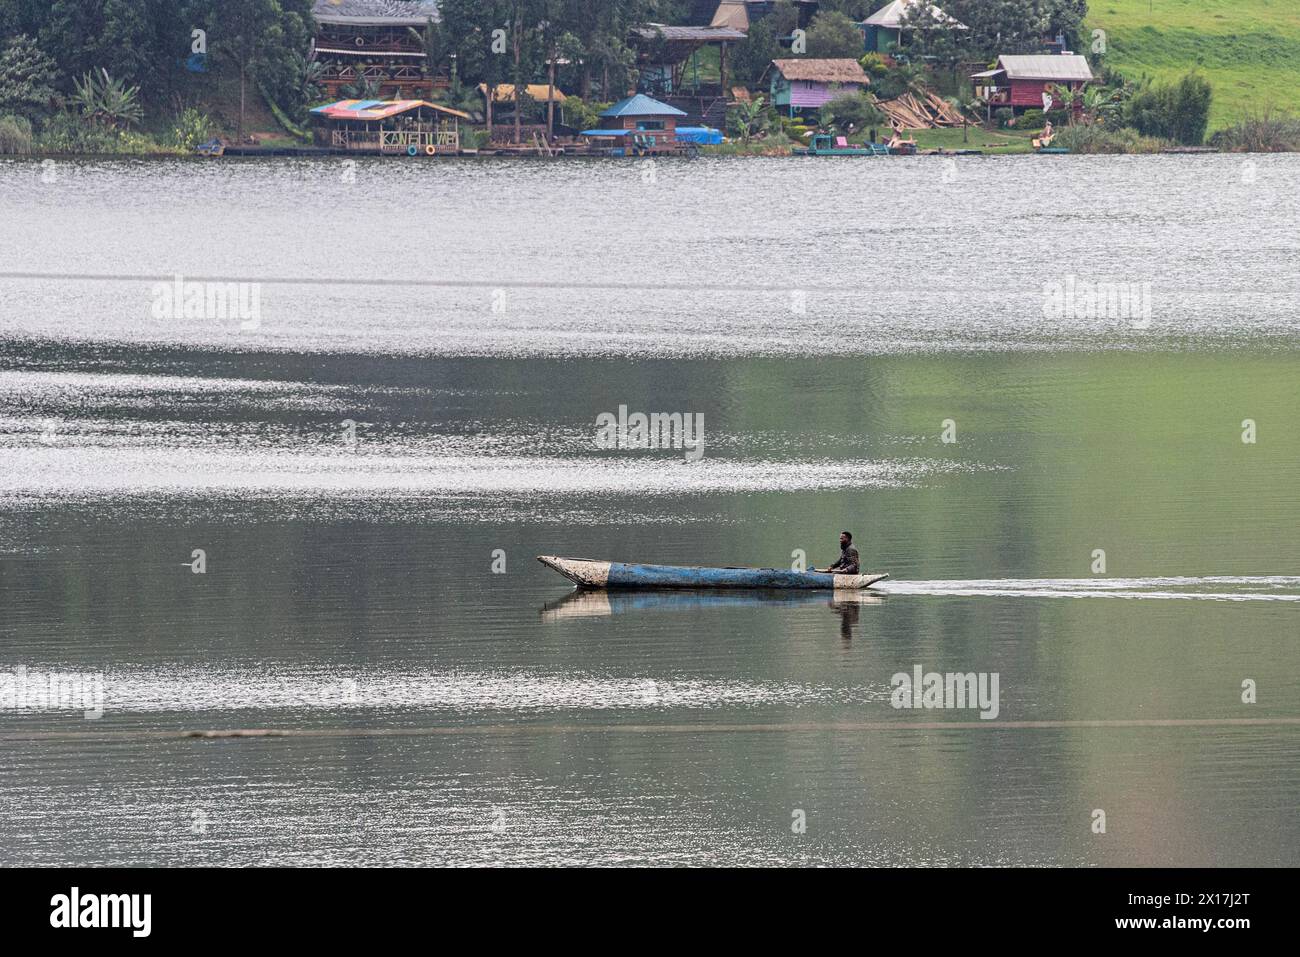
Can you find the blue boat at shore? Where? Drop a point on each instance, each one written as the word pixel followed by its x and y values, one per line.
pixel 586 573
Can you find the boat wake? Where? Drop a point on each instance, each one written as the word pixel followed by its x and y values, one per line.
pixel 1203 588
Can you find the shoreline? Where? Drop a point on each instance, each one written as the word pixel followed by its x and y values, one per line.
pixel 705 153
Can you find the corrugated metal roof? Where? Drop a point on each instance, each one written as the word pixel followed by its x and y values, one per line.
pixel 697 34
pixel 1046 67
pixel 375 13
pixel 891 17
pixel 641 105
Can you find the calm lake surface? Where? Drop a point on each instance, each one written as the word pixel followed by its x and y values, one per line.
pixel 414 406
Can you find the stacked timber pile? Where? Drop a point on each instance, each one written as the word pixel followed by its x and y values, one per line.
pixel 923 112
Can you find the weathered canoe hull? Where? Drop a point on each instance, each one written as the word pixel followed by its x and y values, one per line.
pixel 596 574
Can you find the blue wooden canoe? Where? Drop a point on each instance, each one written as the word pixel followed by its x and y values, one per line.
pixel 594 574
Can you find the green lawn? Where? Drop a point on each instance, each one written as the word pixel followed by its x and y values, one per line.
pixel 1248 49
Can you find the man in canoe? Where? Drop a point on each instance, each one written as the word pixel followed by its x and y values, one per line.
pixel 847 564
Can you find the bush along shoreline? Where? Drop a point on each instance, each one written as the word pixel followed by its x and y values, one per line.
pixel 1266 132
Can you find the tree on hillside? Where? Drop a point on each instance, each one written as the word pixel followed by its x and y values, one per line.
pixel 592 35
pixel 1015 26
pixel 558 42
pixel 278 69
pixel 933 35
pixel 126 37
pixel 22 17
pixel 834 35
pixel 140 41
pixel 755 53
pixel 606 45
pixel 855 10
pixel 469 26
pixel 244 32
pixel 525 17
pixel 27 78
pixel 783 20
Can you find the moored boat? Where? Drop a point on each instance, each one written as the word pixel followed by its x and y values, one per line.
pixel 586 573
pixel 824 145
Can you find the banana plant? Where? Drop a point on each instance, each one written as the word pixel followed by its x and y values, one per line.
pixel 108 102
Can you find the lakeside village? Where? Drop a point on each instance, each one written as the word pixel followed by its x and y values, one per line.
pixel 436 78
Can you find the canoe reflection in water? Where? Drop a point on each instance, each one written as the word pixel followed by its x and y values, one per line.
pixel 586 603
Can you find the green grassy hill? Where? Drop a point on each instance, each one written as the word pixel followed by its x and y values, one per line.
pixel 1248 49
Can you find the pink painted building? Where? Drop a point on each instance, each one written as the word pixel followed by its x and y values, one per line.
pixel 808 84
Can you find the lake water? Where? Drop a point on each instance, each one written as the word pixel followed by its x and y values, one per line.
pixel 1099 509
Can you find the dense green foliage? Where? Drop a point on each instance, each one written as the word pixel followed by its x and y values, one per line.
pixel 1178 112
pixel 755 54
pixel 15 135
pixel 835 36
pixel 27 77
pixel 1264 132
pixel 590 35
pixel 121 63
pixel 1099 139
pixel 995 27
pixel 852 113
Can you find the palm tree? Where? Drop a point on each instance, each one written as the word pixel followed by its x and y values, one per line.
pixel 1066 97
pixel 913 77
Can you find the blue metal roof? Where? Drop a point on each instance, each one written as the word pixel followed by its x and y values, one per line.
pixel 641 105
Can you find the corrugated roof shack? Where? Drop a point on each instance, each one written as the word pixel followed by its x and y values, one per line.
pixel 377 41
pixel 662 52
pixel 638 126
pixel 410 127
pixel 808 84
pixel 887 30
pixel 1020 81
